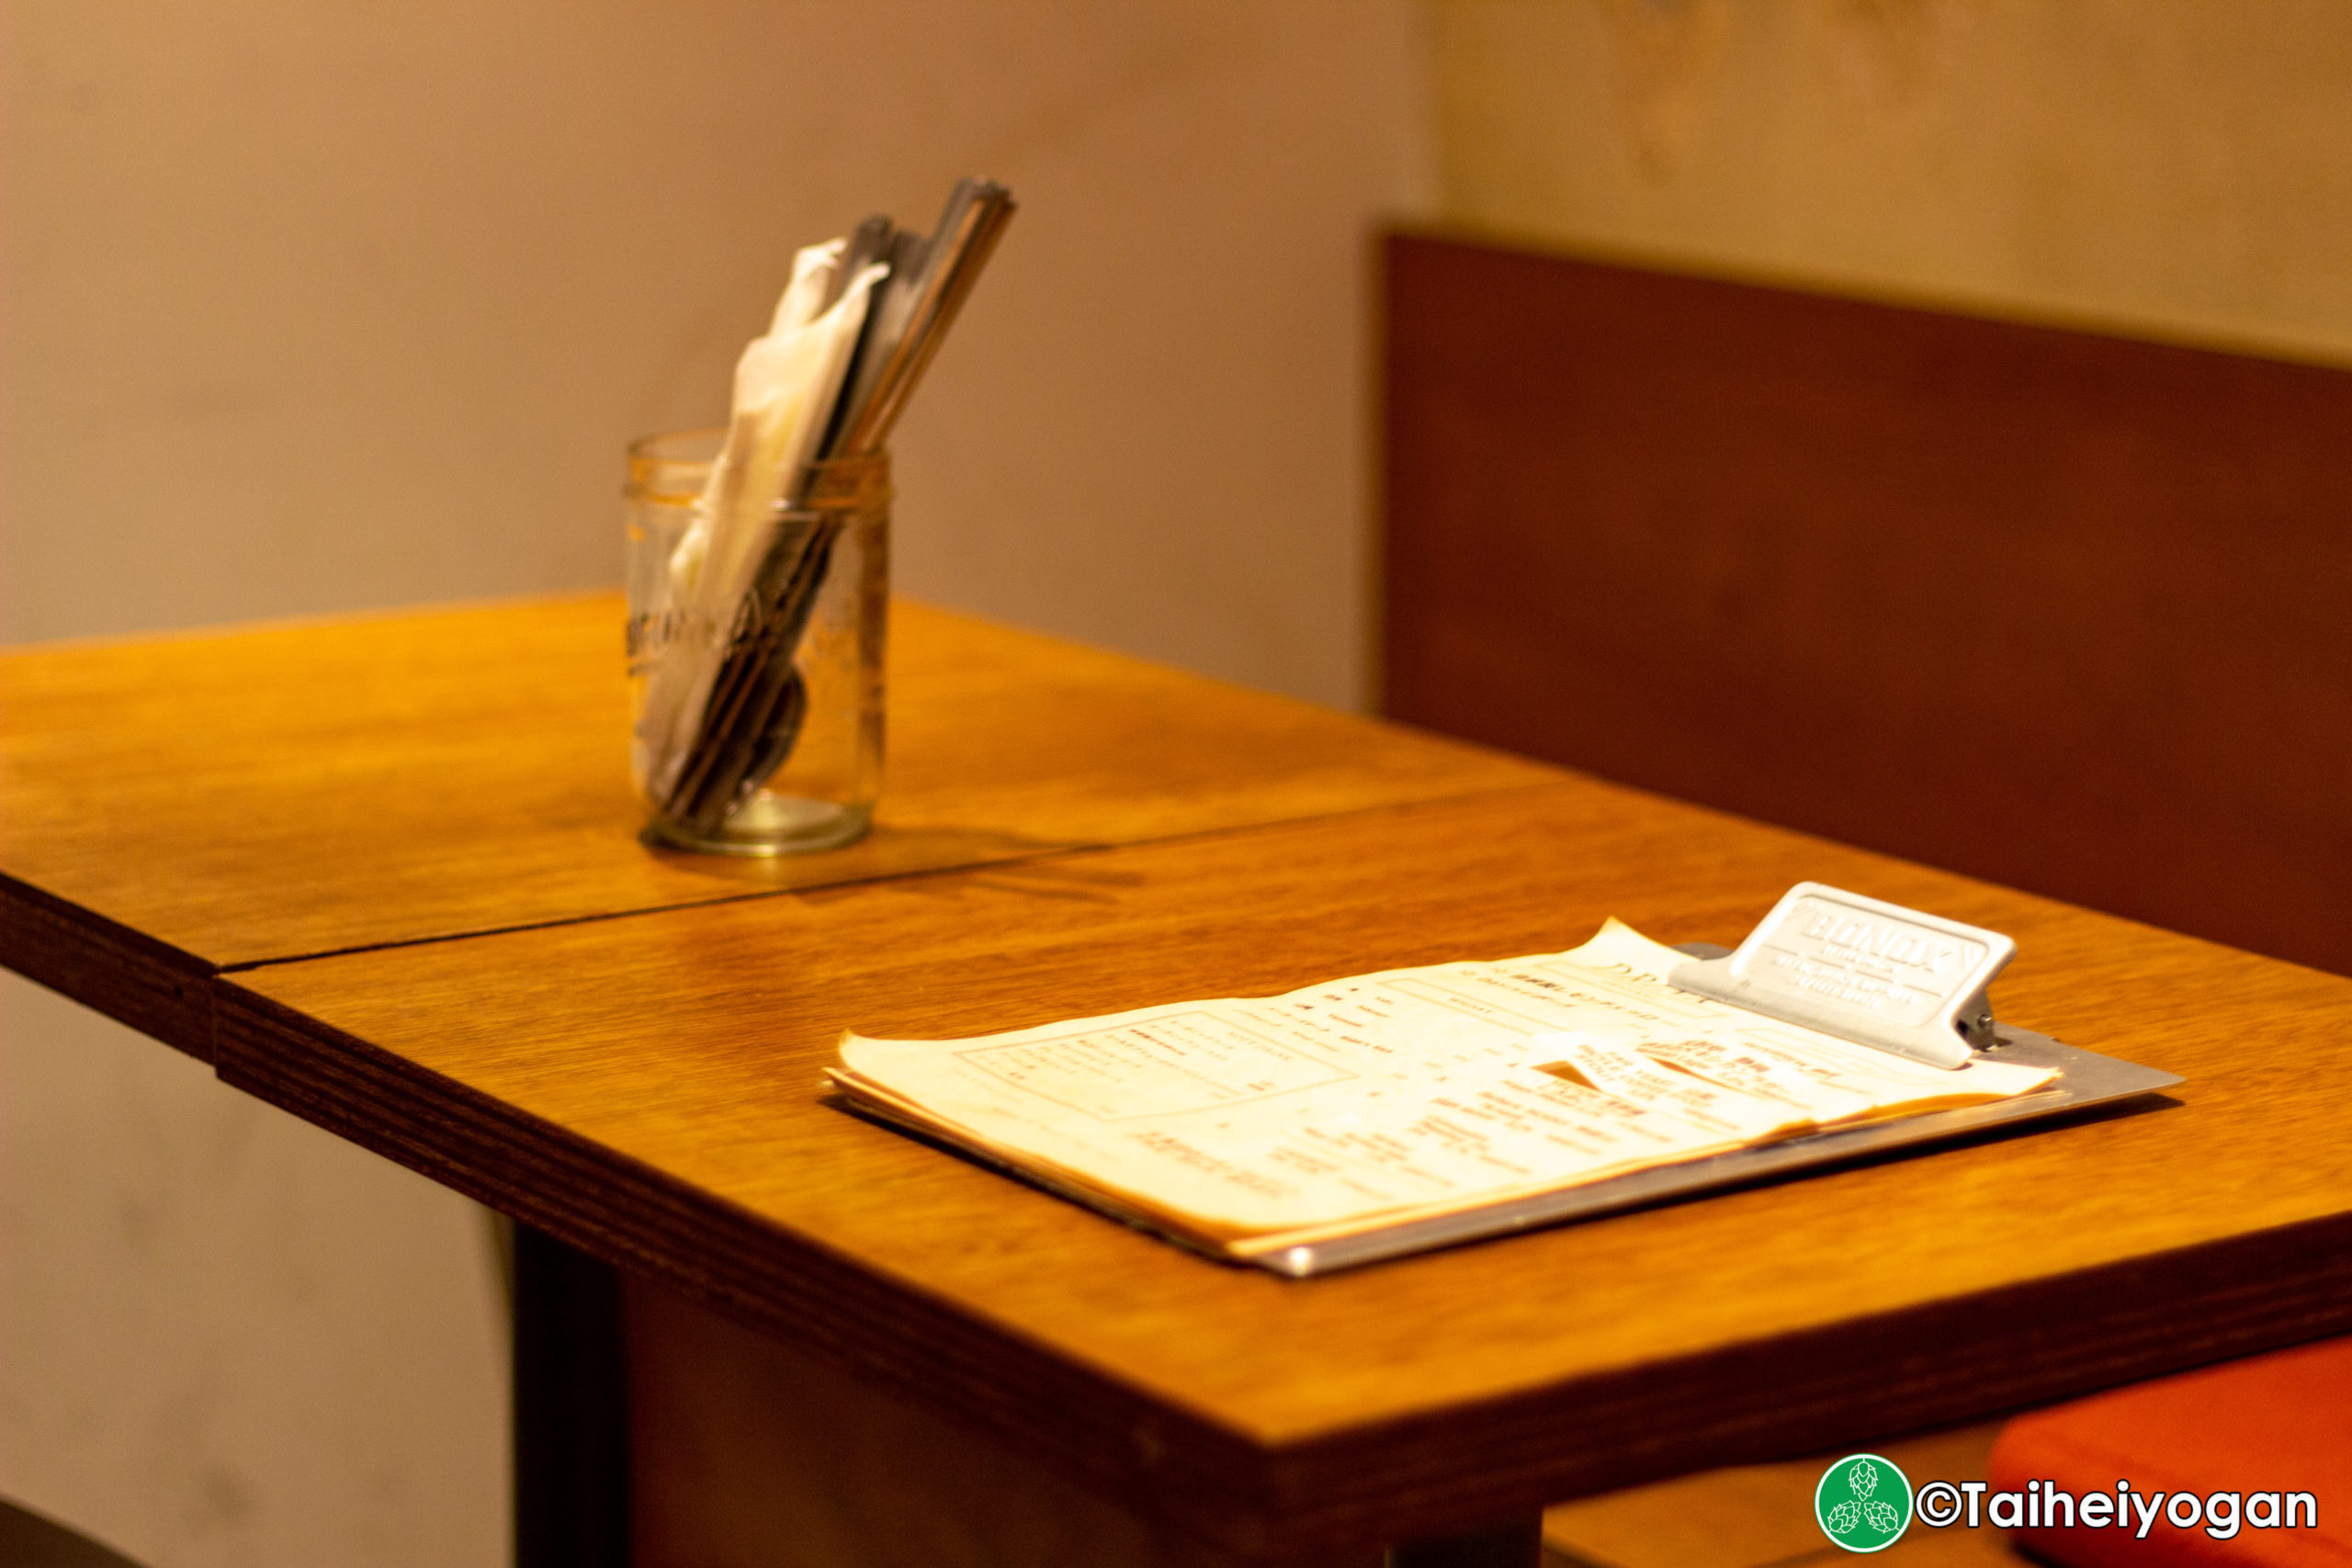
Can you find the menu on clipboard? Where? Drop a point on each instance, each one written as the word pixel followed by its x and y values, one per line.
pixel 1386 1112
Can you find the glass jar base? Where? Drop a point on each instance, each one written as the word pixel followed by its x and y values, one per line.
pixel 768 825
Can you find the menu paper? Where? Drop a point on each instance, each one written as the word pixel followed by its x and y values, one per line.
pixel 1250 1125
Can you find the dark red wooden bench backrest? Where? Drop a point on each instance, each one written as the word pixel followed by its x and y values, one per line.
pixel 2063 611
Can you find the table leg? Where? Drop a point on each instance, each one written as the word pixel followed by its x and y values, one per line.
pixel 747 1438
pixel 572 1480
pixel 748 1451
pixel 1519 1544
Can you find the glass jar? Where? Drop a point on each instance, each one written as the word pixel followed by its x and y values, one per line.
pixel 756 724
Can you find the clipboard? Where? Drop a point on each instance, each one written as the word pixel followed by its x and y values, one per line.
pixel 1916 985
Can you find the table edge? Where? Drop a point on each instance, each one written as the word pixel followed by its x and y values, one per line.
pixel 1935 1364
pixel 131 977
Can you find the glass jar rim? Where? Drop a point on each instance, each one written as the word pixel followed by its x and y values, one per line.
pixel 671 467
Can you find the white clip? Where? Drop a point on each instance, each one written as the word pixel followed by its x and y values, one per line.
pixel 1864 970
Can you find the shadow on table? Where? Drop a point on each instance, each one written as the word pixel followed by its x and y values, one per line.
pixel 886 851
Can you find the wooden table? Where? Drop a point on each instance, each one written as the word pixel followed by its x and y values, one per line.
pixel 171 808
pixel 621 1050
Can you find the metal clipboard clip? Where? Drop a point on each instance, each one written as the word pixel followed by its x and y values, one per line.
pixel 1864 970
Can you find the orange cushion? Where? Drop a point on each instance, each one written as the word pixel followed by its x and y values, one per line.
pixel 2272 1425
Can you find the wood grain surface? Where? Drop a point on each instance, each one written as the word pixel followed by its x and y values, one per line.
pixel 2062 611
pixel 206 801
pixel 646 1088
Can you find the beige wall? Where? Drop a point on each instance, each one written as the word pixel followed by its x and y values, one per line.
pixel 318 307
pixel 225 1336
pixel 2176 167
